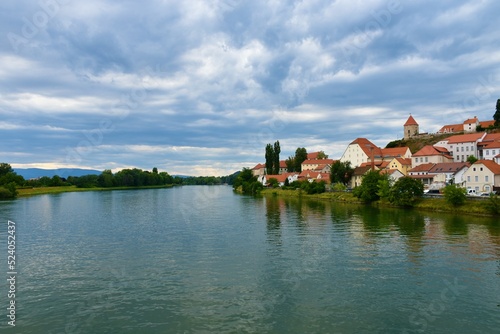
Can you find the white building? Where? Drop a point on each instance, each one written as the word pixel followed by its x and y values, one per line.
pixel 482 176
pixel 463 146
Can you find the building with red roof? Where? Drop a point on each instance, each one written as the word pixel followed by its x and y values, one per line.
pixel 463 146
pixel 431 154
pixel 410 128
pixel 483 176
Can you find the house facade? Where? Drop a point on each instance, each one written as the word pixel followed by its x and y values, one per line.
pixel 421 172
pixel 317 164
pixel 449 173
pixel 463 146
pixel 360 150
pixel 482 176
pixel 489 147
pixel 259 169
pixel 401 164
pixel 281 178
pixel 431 154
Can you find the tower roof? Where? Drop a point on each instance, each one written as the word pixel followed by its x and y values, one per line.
pixel 411 121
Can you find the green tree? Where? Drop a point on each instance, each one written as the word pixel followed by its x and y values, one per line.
pixel 269 159
pixel 338 187
pixel 5 168
pixel 9 181
pixel 384 189
pixel 247 183
pixel 496 116
pixel 290 164
pixel 273 182
pixel 368 190
pixel 406 191
pixel 341 172
pixel 300 157
pixel 471 159
pixel 276 158
pixel 105 179
pixel 455 195
pixel 322 155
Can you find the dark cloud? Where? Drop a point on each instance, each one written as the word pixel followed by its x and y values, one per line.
pixel 200 87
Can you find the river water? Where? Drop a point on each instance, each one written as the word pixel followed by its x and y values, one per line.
pixel 202 259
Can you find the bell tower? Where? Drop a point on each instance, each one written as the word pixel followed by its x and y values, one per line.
pixel 410 128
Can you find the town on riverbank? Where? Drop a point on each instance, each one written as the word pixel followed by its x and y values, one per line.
pixel 458 163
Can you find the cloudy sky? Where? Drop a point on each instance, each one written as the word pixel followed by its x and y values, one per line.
pixel 200 87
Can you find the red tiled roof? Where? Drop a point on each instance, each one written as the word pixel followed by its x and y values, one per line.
pixel 492 137
pixel 468 138
pixel 471 120
pixel 430 150
pixel 312 155
pixel 318 161
pixel 486 124
pixel 451 128
pixel 358 171
pixel 259 166
pixel 492 144
pixel 367 146
pixel 411 121
pixel 309 174
pixel 422 168
pixel 389 171
pixel 447 167
pixel 283 164
pixel 490 164
pixel 404 161
pixel 394 151
pixel 279 178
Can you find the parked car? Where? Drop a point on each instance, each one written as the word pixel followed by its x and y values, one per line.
pixel 472 192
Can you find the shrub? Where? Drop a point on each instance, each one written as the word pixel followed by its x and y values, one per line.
pixel 339 187
pixel 406 191
pixel 455 195
pixel 493 204
pixel 368 190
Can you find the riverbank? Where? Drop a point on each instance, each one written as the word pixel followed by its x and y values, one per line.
pixel 56 190
pixel 471 207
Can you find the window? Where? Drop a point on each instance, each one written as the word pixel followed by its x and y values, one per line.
pixel 486 178
pixel 476 178
pixel 426 159
pixel 481 169
pixel 477 190
pixel 468 178
pixel 474 169
pixel 487 152
pixel 467 148
pixel 472 148
pixel 458 149
pixel 493 152
pixel 421 159
pixel 462 148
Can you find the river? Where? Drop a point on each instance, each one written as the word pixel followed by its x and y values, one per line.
pixel 202 259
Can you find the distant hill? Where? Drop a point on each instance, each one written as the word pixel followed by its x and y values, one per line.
pixel 34 173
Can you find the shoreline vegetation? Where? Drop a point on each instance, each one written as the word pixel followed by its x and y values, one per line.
pixel 471 207
pixel 26 192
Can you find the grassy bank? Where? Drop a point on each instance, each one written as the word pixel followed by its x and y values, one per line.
pixel 471 207
pixel 65 189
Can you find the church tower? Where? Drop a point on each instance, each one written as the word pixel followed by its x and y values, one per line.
pixel 410 128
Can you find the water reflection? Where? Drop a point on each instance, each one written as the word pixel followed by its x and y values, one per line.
pixel 455 225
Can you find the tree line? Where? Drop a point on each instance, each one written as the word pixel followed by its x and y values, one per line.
pixel 10 181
